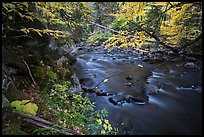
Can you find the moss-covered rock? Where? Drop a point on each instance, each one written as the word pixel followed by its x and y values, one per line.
pixel 51 75
pixel 13 93
pixel 39 73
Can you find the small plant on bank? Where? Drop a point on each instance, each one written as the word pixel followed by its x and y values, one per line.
pixel 74 111
pixel 25 106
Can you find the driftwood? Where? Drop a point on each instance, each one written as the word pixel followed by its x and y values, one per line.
pixel 42 123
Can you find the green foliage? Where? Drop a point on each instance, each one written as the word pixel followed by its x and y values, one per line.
pixel 39 72
pixel 61 19
pixel 51 75
pixel 169 23
pixel 99 37
pixel 44 74
pixel 63 41
pixel 74 111
pixel 45 131
pixel 101 12
pixel 11 124
pixel 116 24
pixel 25 106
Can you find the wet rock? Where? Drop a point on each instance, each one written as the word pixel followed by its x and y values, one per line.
pixel 151 89
pixel 121 99
pixel 86 82
pixel 80 48
pixel 129 77
pixel 89 50
pixel 62 60
pixel 190 65
pixel 181 52
pixel 146 60
pixel 131 99
pixel 170 53
pixel 117 100
pixel 101 94
pixel 190 59
pixel 111 94
pixel 76 88
pixel 158 59
pixel 129 84
pixel 10 59
pixel 174 60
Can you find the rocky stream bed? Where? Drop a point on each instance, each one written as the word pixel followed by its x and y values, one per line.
pixel 144 94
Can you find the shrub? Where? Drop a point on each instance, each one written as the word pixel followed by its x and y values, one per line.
pixel 75 111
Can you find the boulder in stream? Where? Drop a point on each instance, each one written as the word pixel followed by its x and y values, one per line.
pixel 117 100
pixel 129 77
pixel 121 99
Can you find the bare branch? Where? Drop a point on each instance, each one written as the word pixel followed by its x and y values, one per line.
pixel 29 72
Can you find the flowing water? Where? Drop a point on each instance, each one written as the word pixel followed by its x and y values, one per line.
pixel 175 109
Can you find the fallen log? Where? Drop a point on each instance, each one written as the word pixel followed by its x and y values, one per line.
pixel 45 126
pixel 42 123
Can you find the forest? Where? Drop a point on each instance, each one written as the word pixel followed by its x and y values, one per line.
pixel 101 68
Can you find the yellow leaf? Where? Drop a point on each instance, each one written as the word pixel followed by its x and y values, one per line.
pixel 103 132
pixel 24 101
pixel 106 121
pixel 15 103
pixel 30 108
pixel 99 121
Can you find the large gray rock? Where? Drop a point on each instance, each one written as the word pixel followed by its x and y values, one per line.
pixel 76 88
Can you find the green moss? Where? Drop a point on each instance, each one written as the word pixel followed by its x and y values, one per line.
pixel 52 75
pixel 39 73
